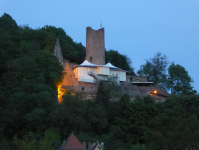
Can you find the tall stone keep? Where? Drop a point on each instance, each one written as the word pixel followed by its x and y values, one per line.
pixel 95 47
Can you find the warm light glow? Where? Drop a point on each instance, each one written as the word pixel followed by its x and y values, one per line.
pixel 155 92
pixel 60 93
pixel 8 66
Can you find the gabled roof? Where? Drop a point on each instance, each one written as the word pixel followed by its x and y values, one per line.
pixel 96 145
pixel 110 65
pixel 86 63
pixel 71 143
pixel 113 67
pixel 90 65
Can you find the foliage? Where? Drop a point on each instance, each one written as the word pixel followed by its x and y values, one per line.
pixel 119 60
pixel 50 141
pixel 72 51
pixel 28 78
pixel 87 137
pixel 138 147
pixel 102 94
pixel 135 118
pixel 173 130
pixel 69 115
pixel 178 79
pixel 189 102
pixel 155 70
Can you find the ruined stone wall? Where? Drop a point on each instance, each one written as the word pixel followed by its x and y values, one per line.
pixel 69 78
pixel 95 47
pixel 130 79
pixel 58 52
pixel 83 88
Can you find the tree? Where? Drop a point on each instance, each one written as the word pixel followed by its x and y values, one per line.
pixel 155 70
pixel 173 129
pixel 29 91
pixel 50 141
pixel 189 102
pixel 178 79
pixel 6 22
pixel 97 118
pixel 102 95
pixel 119 60
pixel 72 51
pixel 76 111
pixel 134 118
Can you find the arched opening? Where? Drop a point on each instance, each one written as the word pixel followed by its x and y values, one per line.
pixel 90 58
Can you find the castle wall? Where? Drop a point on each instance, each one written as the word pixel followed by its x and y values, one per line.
pixel 70 82
pixel 95 47
pixel 130 79
pixel 58 52
pixel 69 78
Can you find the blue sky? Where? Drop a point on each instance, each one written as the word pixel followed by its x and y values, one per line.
pixel 137 28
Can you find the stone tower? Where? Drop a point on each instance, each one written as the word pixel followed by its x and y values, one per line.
pixel 95 47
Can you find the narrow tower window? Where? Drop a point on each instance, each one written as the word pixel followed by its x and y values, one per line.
pixel 90 58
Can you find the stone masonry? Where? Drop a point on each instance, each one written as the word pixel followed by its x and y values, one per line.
pixel 95 47
pixel 58 52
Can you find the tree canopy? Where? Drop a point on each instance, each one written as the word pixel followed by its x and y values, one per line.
pixel 155 69
pixel 119 60
pixel 178 79
pixel 28 77
pixel 175 80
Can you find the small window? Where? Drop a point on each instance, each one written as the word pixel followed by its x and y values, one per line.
pixel 90 58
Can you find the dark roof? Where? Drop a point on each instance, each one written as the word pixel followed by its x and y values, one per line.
pixel 118 69
pixel 71 143
pixel 96 144
pixel 142 83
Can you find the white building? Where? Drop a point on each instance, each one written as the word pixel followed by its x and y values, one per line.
pixel 88 72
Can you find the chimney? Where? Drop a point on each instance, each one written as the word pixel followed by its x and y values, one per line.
pixel 84 146
pixel 89 146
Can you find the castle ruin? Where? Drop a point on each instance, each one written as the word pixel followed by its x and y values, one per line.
pixel 86 76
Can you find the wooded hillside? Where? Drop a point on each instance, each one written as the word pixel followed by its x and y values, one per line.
pixel 30 117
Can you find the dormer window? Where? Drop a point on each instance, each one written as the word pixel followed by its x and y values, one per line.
pixel 90 58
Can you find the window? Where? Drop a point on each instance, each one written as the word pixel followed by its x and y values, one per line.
pixel 90 58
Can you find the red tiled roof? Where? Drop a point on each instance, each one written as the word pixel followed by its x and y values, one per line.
pixel 72 143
